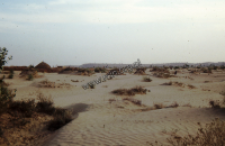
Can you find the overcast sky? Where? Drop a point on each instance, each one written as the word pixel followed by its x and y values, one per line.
pixel 74 32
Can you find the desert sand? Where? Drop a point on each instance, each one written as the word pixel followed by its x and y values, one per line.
pixel 100 122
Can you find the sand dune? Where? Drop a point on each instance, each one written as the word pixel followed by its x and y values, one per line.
pixel 101 122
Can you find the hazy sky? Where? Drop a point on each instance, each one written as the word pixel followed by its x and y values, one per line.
pixel 73 32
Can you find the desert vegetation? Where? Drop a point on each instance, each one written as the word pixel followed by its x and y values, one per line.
pixel 147 79
pixel 162 75
pixel 130 92
pixel 100 70
pixel 160 69
pixel 140 71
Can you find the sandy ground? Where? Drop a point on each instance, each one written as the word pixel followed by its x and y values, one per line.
pixel 100 122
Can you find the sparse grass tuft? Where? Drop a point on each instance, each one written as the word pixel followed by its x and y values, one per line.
pixel 147 79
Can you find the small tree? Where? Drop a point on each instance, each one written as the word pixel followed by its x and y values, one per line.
pixel 6 95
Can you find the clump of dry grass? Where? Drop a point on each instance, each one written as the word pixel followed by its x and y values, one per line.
pixel 112 100
pixel 140 71
pixel 134 101
pixel 168 84
pixel 160 69
pixel 187 105
pixel 74 81
pixel 173 105
pixel 191 86
pixel 162 75
pixel 130 92
pixel 147 79
pixel 158 105
pixel 179 84
pixel 48 84
pixel 213 134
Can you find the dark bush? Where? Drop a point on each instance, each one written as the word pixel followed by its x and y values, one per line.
pixel 45 104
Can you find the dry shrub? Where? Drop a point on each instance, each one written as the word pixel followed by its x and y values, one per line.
pixel 213 134
pixel 179 84
pixel 111 100
pixel 78 71
pixel 214 104
pixel 206 70
pixel 162 75
pixel 191 86
pixel 160 69
pixel 168 84
pixel 193 71
pixel 140 71
pixel 30 77
pixel 187 105
pixel 26 107
pixel 56 69
pixel 158 106
pixel 61 118
pixel 173 105
pixel 130 92
pixel 47 83
pixel 121 92
pixel 138 90
pixel 45 104
pixel 147 79
pixel 134 101
pixel 92 86
pixel 74 80
pixel 100 69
